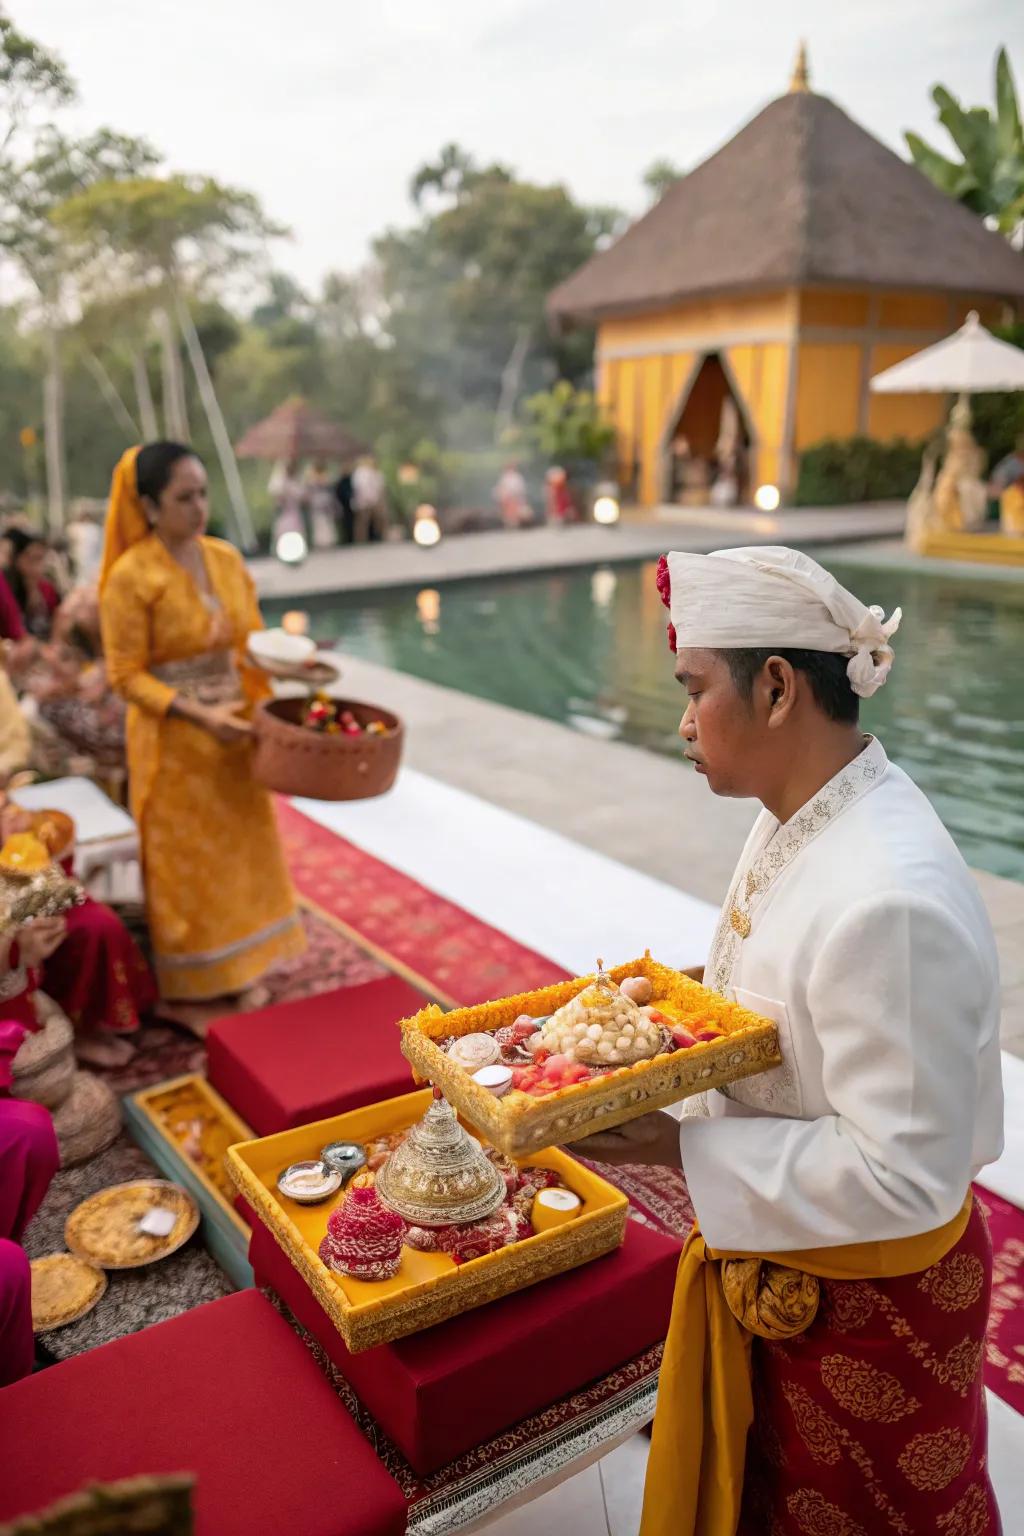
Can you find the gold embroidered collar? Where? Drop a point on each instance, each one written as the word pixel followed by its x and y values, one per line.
pixel 777 847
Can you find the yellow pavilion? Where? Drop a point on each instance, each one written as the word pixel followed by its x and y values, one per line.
pixel 743 316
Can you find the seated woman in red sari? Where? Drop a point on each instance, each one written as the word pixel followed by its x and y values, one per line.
pixel 36 598
pixel 95 974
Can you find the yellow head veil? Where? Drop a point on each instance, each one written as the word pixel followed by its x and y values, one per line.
pixel 126 522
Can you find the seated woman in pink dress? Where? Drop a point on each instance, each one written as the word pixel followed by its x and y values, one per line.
pixel 95 974
pixel 29 1158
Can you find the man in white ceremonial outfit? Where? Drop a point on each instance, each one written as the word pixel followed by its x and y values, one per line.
pixel 836 1295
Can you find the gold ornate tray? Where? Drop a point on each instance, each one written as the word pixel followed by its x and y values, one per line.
pixel 429 1287
pixel 518 1123
pixel 63 1290
pixel 104 1229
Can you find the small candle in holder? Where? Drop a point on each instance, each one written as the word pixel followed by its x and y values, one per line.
pixel 554 1207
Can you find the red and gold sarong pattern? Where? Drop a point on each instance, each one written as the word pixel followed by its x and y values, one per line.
pixel 873 1420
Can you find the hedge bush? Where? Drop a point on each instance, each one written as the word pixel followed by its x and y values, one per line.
pixel 852 469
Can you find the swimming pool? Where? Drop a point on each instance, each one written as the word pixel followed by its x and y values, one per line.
pixel 588 648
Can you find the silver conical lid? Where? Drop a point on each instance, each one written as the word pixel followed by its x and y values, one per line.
pixel 440 1176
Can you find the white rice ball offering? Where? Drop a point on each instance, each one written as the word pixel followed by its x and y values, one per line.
pixel 601 1027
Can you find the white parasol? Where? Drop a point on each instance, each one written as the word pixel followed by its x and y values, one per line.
pixel 970 362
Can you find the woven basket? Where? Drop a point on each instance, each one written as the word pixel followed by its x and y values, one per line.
pixel 44 1067
pixel 88 1120
pixel 295 761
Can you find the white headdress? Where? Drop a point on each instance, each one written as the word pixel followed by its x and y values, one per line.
pixel 778 597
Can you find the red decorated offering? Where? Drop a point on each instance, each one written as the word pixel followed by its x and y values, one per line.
pixel 364 1239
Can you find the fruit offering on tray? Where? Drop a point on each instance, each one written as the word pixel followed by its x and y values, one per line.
pixel 604 1027
pixel 323 714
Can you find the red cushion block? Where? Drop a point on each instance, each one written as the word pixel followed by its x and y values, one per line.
pixel 443 1391
pixel 299 1062
pixel 226 1392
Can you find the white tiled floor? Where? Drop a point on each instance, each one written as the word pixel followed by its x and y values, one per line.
pixel 622 1479
pixel 574 1508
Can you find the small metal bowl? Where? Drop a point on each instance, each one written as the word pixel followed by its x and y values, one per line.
pixel 344 1157
pixel 331 1186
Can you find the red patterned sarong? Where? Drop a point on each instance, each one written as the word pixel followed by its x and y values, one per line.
pixel 873 1420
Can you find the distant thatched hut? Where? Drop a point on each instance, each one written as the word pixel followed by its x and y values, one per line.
pixel 779 276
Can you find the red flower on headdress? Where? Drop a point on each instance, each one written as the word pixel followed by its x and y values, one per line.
pixel 665 590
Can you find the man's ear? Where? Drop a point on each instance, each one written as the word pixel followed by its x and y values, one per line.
pixel 779 686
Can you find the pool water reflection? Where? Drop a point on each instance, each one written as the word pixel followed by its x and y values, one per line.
pixel 588 648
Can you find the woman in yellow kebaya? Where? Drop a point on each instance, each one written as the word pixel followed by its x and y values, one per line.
pixel 176 609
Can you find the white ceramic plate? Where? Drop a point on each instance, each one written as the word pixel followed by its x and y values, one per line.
pixel 277 648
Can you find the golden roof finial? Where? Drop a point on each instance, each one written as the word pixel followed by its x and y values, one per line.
pixel 801 77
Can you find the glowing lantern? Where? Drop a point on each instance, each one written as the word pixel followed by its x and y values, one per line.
pixel 767 498
pixel 426 530
pixel 291 548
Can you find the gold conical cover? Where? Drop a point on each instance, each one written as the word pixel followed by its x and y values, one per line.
pixel 439 1176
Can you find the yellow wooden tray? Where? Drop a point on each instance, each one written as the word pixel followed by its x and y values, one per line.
pixel 429 1287
pixel 171 1106
pixel 519 1123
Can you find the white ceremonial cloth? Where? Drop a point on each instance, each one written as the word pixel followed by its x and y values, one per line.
pixel 774 596
pixel 871 948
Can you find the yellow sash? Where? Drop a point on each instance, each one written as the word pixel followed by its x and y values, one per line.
pixel 705 1402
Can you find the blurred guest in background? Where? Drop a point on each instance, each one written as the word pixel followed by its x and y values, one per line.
pixel 369 501
pixel 510 494
pixel 323 508
pixel 36 597
pixel 346 509
pixel 289 494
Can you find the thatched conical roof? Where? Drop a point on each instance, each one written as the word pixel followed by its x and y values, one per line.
pixel 296 431
pixel 802 196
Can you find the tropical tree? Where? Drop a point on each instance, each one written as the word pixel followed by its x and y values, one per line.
pixel 173 237
pixel 989 174
pixel 461 295
pixel 659 176
pixel 30 76
pixel 566 425
pixel 31 192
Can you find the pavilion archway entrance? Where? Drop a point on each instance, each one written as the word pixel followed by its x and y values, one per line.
pixel 708 442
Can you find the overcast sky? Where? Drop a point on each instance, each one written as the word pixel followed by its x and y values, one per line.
pixel 325 108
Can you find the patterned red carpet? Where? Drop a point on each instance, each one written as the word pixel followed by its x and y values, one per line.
pixel 432 942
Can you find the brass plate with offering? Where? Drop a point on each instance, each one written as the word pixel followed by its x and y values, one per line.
pixel 128 1225
pixel 31 884
pixel 380 1275
pixel 64 1288
pixel 589 1054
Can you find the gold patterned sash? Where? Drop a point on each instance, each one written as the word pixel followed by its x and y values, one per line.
pixel 209 678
